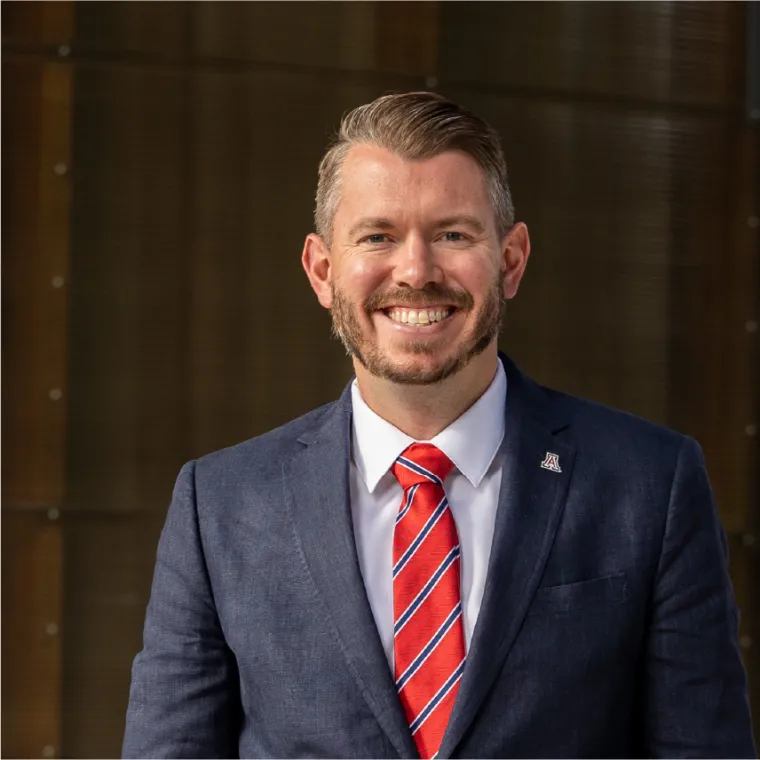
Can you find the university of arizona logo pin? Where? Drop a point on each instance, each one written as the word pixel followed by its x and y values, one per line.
pixel 551 462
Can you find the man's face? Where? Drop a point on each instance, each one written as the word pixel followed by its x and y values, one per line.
pixel 417 274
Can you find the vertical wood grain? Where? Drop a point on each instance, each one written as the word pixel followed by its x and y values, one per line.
pixel 36 203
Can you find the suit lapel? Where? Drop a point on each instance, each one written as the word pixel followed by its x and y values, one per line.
pixel 531 501
pixel 317 482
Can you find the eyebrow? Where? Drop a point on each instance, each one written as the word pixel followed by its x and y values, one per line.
pixel 465 220
pixel 381 223
pixel 371 223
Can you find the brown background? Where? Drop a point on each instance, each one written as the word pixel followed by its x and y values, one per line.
pixel 159 165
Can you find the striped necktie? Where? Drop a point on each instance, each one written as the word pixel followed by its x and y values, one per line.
pixel 427 610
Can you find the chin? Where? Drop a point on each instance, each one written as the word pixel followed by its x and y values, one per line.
pixel 415 369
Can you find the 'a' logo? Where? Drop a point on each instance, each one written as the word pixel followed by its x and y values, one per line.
pixel 551 462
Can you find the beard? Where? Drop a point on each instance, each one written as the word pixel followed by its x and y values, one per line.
pixel 347 327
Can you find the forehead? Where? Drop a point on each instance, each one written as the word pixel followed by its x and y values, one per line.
pixel 374 180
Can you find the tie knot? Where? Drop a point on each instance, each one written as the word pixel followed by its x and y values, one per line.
pixel 421 463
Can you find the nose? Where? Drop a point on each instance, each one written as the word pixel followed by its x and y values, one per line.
pixel 416 265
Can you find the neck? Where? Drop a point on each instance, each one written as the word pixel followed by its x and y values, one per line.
pixel 423 411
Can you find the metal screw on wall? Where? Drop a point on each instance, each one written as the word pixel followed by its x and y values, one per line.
pixel 51 629
pixel 55 394
pixel 48 751
pixel 60 169
pixel 64 51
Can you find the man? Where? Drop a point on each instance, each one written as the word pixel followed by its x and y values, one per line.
pixel 450 560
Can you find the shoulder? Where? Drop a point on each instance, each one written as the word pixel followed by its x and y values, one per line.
pixel 600 420
pixel 616 439
pixel 261 457
pixel 590 425
pixel 637 470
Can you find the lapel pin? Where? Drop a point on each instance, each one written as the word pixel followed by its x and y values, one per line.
pixel 551 462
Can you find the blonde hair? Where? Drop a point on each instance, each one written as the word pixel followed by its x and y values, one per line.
pixel 415 125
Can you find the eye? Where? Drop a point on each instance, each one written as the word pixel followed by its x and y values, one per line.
pixel 377 239
pixel 454 237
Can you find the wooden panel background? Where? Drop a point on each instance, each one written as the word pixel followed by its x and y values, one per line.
pixel 197 129
pixel 37 100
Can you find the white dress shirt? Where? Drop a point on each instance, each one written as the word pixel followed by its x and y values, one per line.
pixel 473 443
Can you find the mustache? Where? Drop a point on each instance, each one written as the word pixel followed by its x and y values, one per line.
pixel 430 295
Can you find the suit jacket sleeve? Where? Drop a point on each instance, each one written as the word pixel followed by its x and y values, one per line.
pixel 696 701
pixel 184 700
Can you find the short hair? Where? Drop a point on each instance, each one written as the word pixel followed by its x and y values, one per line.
pixel 415 125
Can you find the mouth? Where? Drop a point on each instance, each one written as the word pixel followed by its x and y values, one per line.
pixel 418 318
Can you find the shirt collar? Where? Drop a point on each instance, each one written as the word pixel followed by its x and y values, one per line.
pixel 471 441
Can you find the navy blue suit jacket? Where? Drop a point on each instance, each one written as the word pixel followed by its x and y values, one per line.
pixel 608 626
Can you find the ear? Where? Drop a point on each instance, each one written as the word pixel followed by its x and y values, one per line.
pixel 316 264
pixel 515 251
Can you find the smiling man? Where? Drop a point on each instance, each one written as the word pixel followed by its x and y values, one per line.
pixel 415 266
pixel 450 560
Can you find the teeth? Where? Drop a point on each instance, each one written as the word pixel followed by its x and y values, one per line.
pixel 418 316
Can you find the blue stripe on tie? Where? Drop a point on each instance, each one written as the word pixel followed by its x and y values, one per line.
pixel 419 469
pixel 426 590
pixel 429 525
pixel 436 639
pixel 409 496
pixel 437 699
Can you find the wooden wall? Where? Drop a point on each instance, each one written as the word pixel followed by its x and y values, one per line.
pixel 189 135
pixel 36 198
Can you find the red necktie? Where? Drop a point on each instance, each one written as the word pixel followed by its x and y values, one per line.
pixel 427 610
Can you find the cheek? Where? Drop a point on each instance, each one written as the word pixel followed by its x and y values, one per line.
pixel 360 277
pixel 476 277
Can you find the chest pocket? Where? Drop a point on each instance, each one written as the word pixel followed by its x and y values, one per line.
pixel 596 592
